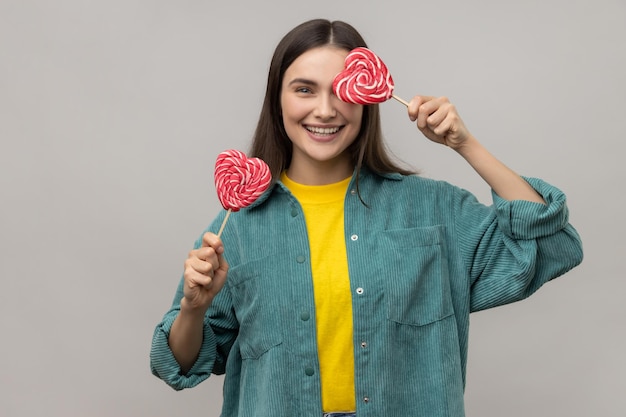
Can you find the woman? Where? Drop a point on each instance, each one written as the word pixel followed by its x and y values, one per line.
pixel 347 287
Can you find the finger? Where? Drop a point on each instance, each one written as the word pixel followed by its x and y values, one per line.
pixel 222 266
pixel 201 266
pixel 207 254
pixel 436 110
pixel 451 125
pixel 413 107
pixel 442 131
pixel 220 275
pixel 212 240
pixel 425 110
pixel 195 279
pixel 436 118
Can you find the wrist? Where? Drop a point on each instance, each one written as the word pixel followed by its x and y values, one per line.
pixel 467 147
pixel 191 311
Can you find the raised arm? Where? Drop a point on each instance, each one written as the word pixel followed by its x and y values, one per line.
pixel 440 122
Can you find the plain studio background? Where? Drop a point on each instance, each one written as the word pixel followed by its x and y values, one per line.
pixel 112 114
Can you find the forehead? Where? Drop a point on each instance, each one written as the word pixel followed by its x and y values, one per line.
pixel 317 63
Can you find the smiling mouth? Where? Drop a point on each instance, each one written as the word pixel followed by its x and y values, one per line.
pixel 323 131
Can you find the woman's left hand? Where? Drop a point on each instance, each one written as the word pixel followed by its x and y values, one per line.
pixel 438 120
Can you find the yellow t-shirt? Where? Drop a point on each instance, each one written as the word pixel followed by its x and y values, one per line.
pixel 323 207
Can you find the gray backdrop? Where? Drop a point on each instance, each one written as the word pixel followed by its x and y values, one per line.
pixel 112 113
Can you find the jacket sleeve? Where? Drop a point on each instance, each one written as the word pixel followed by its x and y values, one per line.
pixel 220 331
pixel 514 247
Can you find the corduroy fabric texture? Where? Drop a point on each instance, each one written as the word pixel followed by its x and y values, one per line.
pixel 422 256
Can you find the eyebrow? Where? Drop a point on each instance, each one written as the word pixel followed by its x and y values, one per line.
pixel 302 81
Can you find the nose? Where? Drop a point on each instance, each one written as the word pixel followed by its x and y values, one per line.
pixel 325 107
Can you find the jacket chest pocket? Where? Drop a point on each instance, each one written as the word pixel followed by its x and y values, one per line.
pixel 417 285
pixel 256 299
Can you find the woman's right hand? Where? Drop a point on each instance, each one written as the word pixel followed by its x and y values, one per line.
pixel 205 274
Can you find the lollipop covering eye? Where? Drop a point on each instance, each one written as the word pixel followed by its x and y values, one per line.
pixel 364 80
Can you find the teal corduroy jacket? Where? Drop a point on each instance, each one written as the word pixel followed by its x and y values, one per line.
pixel 422 255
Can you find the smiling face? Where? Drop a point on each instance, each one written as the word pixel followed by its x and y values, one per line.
pixel 320 126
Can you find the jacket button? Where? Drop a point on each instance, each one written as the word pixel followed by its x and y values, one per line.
pixel 300 259
pixel 294 212
pixel 309 371
pixel 305 316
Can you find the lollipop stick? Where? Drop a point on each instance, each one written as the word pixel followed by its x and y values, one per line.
pixel 406 103
pixel 219 234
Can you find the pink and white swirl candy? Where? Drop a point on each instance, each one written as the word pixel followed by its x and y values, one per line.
pixel 240 180
pixel 364 80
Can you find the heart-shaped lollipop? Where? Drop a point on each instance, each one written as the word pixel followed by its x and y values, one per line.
pixel 239 180
pixel 365 79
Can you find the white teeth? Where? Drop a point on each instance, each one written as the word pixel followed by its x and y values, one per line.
pixel 322 130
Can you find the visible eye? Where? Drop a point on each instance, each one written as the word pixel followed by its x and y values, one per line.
pixel 304 90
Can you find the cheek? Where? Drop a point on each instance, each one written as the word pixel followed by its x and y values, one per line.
pixel 294 110
pixel 286 106
pixel 354 112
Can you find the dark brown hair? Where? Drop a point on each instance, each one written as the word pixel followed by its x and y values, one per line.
pixel 271 142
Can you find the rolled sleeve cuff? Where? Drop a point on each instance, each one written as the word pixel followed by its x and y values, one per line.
pixel 521 219
pixel 164 365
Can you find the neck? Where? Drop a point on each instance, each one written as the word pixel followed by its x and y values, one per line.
pixel 319 173
pixel 319 177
